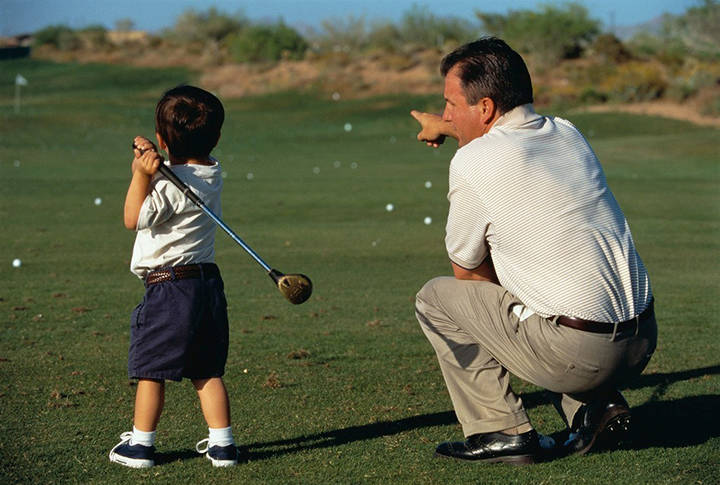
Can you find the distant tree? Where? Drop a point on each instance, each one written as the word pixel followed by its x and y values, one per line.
pixel 269 42
pixel 124 25
pixel 552 33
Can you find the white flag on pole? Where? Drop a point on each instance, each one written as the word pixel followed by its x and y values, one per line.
pixel 20 81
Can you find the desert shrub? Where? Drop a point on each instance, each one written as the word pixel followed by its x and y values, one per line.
pixel 552 33
pixel 695 76
pixel 610 49
pixel 698 29
pixel 60 36
pixel 635 81
pixel 202 27
pixel 340 35
pixel 93 36
pixel 269 42
pixel 421 28
pixel 712 106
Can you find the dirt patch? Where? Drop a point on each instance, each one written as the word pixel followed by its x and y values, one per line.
pixel 664 109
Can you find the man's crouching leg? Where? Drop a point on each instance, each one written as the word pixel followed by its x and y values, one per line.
pixel 452 314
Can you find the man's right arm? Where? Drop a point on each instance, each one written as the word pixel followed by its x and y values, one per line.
pixel 434 128
pixel 484 272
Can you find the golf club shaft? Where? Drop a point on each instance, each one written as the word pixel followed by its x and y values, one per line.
pixel 163 169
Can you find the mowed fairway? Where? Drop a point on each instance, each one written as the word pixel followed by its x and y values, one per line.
pixel 344 388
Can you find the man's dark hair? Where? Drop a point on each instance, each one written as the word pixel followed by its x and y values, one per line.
pixel 189 120
pixel 489 68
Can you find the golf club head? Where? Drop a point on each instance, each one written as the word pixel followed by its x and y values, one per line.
pixel 297 288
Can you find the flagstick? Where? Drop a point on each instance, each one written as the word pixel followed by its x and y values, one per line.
pixel 17 98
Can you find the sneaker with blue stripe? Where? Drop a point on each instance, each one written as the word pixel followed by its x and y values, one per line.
pixel 134 456
pixel 219 455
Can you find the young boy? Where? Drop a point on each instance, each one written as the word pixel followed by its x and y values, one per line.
pixel 181 328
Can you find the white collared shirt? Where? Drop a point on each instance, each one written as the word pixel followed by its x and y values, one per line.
pixel 173 231
pixel 532 194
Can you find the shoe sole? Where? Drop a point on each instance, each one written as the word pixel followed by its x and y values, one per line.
pixel 510 459
pixel 613 429
pixel 221 463
pixel 130 462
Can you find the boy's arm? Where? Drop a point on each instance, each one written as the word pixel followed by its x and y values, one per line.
pixel 144 165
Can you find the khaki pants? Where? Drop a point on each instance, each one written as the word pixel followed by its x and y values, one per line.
pixel 478 340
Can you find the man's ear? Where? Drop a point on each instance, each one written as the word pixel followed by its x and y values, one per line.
pixel 488 111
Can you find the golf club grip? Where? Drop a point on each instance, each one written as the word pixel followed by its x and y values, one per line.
pixel 170 175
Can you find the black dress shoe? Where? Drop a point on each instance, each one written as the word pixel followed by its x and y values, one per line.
pixel 599 424
pixel 518 449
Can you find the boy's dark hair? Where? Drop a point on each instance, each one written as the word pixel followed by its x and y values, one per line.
pixel 489 68
pixel 189 120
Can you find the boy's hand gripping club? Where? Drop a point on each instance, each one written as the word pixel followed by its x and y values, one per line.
pixel 297 288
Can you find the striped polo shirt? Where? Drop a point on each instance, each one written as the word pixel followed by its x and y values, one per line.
pixel 532 194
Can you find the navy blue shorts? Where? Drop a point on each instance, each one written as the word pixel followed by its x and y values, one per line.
pixel 180 329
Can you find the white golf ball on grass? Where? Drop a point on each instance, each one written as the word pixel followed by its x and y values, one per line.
pixel 97 201
pixel 16 263
pixel 389 207
pixel 427 221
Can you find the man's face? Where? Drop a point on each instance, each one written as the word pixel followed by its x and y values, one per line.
pixel 465 118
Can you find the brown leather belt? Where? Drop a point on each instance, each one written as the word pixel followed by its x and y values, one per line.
pixel 190 271
pixel 599 327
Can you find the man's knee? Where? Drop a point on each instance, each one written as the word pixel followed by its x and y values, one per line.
pixel 428 294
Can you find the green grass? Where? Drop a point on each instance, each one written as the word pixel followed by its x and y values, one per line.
pixel 367 405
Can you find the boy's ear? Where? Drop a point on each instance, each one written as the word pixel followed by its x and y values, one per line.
pixel 161 142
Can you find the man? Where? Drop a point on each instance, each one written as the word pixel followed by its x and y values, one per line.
pixel 547 283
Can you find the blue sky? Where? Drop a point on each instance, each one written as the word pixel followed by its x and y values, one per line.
pixel 24 16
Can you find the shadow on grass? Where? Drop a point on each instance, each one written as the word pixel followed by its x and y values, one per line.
pixel 162 458
pixel 657 423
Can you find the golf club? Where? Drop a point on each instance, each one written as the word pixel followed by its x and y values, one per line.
pixel 297 288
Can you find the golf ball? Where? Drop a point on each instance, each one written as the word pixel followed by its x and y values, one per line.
pixel 16 163
pixel 17 263
pixel 427 221
pixel 389 207
pixel 348 127
pixel 336 164
pixel 250 176
pixel 336 96
pixel 98 201
pixel 354 165
pixel 428 184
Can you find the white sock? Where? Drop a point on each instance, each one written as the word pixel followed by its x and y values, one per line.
pixel 220 437
pixel 145 438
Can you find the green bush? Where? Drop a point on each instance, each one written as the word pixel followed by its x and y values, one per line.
pixel 270 42
pixel 60 36
pixel 552 33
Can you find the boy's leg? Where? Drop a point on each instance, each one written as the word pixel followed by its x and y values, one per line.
pixel 214 401
pixel 136 449
pixel 149 402
pixel 219 446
